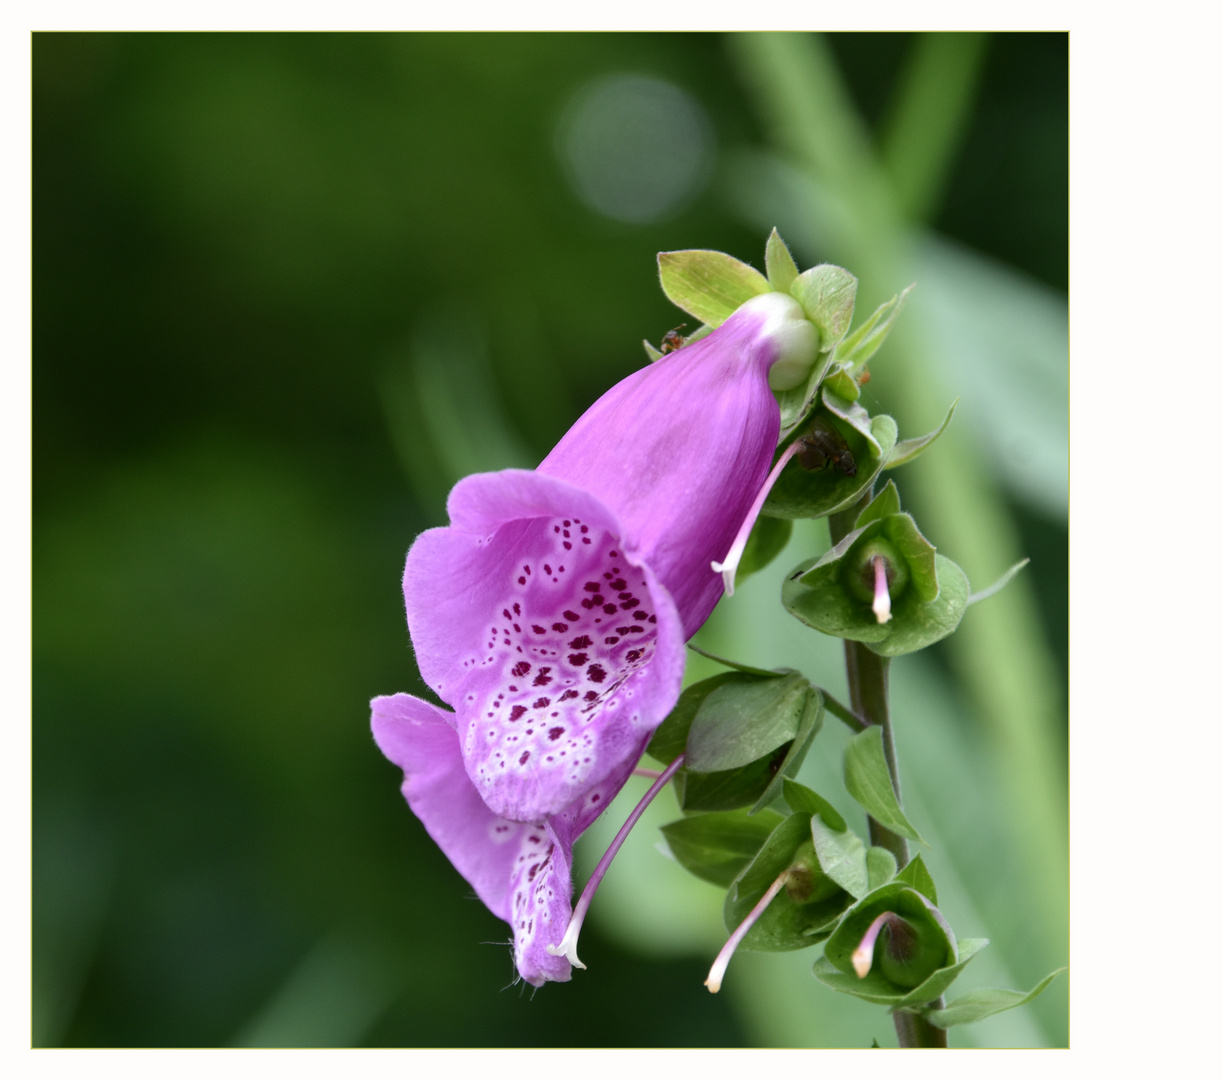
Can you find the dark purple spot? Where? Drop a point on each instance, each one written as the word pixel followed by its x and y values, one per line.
pixel 582 642
pixel 560 627
pixel 538 629
pixel 527 569
pixel 505 612
pixel 630 656
pixel 609 609
pixel 590 696
pixel 522 581
pixel 547 569
pixel 588 604
pixel 567 523
pixel 577 659
pixel 614 554
pixel 566 534
pixel 566 545
pixel 628 605
pixel 619 583
pixel 555 733
pixel 571 616
pixel 610 640
pixel 540 703
pixel 653 619
pixel 517 712
pixel 585 528
pixel 517 609
pixel 518 628
pixel 543 678
pixel 595 673
pixel 592 586
pixel 568 695
pixel 532 872
pixel 520 669
pixel 525 755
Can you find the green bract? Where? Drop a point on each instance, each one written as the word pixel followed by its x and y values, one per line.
pixel 900 977
pixel 717 847
pixel 805 911
pixel 828 593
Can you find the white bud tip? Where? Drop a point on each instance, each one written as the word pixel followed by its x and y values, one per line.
pixel 862 961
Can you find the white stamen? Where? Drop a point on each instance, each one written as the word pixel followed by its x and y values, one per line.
pixel 730 564
pixel 882 607
pixel 714 982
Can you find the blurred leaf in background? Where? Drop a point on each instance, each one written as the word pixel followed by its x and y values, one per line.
pixel 287 289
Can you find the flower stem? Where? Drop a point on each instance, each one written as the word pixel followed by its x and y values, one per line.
pixel 867 674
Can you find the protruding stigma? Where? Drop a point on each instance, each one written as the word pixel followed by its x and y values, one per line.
pixel 882 607
pixel 716 973
pixel 730 564
pixel 568 946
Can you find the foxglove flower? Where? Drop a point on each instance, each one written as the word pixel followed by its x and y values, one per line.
pixel 551 614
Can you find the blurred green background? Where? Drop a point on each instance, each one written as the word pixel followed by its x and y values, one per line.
pixel 287 290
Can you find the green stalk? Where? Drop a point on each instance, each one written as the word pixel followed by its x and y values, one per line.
pixel 867 674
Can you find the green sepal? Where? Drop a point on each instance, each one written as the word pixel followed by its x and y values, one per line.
pixel 802 800
pixel 799 493
pixel 879 990
pixel 908 449
pixel 840 382
pixel 651 353
pixel 768 539
pixel 708 285
pixel 796 403
pixel 870 785
pixel 809 724
pixel 779 265
pixel 827 295
pixel 864 342
pixel 883 505
pixel 671 737
pixel 842 856
pixel 804 912
pixel 731 789
pixel 917 552
pixel 855 416
pixel 978 1004
pixel 999 585
pixel 880 866
pixel 744 719
pixel 718 847
pixel 916 875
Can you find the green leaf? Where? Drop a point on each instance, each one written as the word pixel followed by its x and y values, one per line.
pixel 842 856
pixel 768 539
pixel 671 738
pixel 802 800
pixel 916 875
pixel 745 719
pixel 864 342
pixel 880 866
pixel 718 847
pixel 827 295
pixel 800 493
pixel 869 784
pixel 998 585
pixel 978 1004
pixel 886 503
pixel 779 265
pixel 908 449
pixel 709 285
pixel 728 790
pixel 810 722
